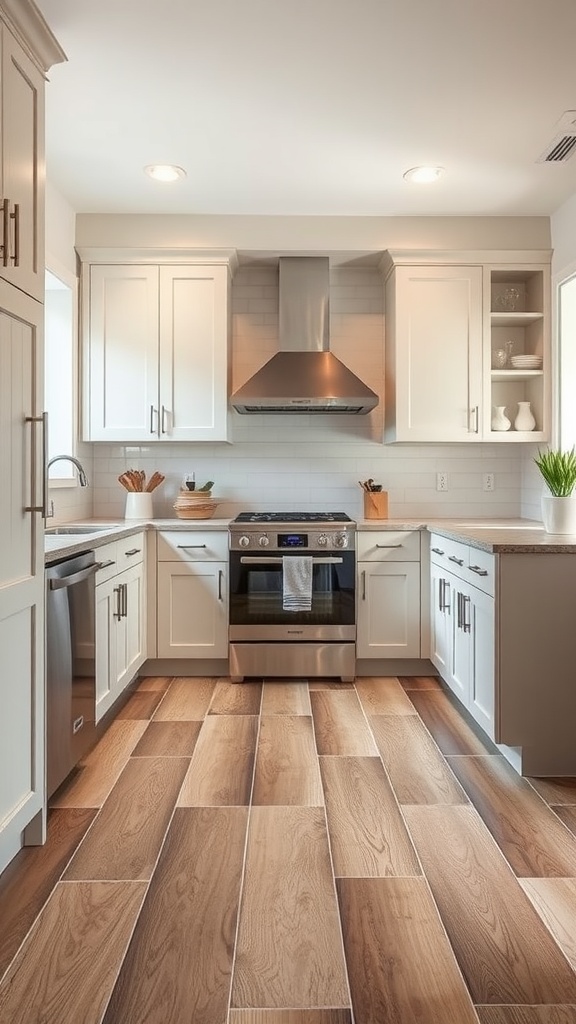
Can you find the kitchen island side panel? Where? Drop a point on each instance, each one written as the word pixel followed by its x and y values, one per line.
pixel 537 660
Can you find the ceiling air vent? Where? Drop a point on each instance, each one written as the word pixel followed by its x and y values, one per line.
pixel 564 142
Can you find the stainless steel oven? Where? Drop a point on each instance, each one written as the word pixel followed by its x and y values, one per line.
pixel 270 637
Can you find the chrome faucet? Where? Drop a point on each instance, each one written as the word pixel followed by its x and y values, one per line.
pixel 82 478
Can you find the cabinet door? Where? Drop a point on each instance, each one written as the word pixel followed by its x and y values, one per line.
pixel 193 353
pixel 192 610
pixel 22 142
pixel 134 605
pixel 121 383
pixel 388 610
pixel 107 641
pixel 21 571
pixel 482 674
pixel 434 366
pixel 440 620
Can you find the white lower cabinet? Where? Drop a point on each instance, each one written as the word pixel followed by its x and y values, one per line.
pixel 120 628
pixel 463 626
pixel 192 595
pixel 388 623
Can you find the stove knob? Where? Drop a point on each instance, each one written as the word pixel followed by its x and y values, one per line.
pixel 264 541
pixel 243 542
pixel 322 541
pixel 341 540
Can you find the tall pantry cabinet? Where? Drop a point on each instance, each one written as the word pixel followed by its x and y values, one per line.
pixel 28 50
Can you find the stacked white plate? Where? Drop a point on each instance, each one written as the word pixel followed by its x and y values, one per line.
pixel 526 362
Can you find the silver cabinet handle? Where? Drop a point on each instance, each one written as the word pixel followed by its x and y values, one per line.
pixel 475 413
pixel 363 584
pixel 444 605
pixel 459 611
pixel 163 420
pixel 452 558
pixel 389 545
pixel 133 551
pixel 5 232
pixel 15 216
pixel 220 575
pixel 118 592
pixel 186 546
pixel 478 570
pixel 466 623
pixel 43 508
pixel 440 595
pixel 437 551
pixel 153 412
pixel 125 600
pixel 104 565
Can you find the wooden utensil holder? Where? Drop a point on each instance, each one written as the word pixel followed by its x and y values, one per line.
pixel 376 504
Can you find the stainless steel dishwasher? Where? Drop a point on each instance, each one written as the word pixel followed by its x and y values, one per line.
pixel 70 675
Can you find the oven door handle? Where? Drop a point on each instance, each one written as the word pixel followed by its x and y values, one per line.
pixel 271 560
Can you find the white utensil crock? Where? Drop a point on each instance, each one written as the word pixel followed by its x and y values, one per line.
pixel 138 505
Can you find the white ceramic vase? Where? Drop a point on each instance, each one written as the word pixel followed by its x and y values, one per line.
pixel 559 514
pixel 138 505
pixel 524 417
pixel 500 420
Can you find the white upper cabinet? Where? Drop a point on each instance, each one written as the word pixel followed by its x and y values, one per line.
pixel 156 352
pixel 22 147
pixel 434 353
pixel 445 322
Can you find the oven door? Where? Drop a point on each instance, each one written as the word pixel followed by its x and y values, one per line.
pixel 256 600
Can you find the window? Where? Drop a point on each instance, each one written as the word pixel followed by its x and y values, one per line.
pixel 60 371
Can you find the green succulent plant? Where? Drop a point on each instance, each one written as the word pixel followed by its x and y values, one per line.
pixel 559 470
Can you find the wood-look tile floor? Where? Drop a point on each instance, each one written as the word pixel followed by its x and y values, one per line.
pixel 295 853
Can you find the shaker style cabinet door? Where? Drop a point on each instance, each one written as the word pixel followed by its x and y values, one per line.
pixel 388 610
pixel 434 341
pixel 121 364
pixel 156 344
pixel 192 610
pixel 21 570
pixel 22 168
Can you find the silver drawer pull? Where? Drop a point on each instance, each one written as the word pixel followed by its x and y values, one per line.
pixel 104 565
pixel 452 558
pixel 478 570
pixel 133 551
pixel 185 546
pixel 437 551
pixel 389 545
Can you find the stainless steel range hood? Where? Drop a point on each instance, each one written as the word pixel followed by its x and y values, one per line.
pixel 304 376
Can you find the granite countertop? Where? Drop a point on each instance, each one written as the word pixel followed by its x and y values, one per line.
pixel 60 545
pixel 501 536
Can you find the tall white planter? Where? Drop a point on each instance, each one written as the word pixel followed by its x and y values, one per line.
pixel 559 514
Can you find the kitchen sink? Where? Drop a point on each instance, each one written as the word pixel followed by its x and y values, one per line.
pixel 70 531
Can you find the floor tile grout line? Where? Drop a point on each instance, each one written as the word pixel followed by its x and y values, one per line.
pixel 333 875
pixel 244 858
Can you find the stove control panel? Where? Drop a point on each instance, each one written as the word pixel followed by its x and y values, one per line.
pixel 293 540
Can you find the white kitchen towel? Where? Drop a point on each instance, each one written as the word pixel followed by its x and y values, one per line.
pixel 297 583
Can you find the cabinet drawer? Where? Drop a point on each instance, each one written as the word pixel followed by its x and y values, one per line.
pixel 107 556
pixel 192 546
pixel 451 554
pixel 388 546
pixel 481 570
pixel 130 550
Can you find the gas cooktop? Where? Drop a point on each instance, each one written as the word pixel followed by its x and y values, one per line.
pixel 292 517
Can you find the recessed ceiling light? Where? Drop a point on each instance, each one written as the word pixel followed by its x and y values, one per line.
pixel 165 172
pixel 424 175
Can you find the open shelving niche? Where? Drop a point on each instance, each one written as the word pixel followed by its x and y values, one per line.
pixel 527 326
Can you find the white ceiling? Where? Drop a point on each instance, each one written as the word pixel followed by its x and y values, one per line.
pixel 287 107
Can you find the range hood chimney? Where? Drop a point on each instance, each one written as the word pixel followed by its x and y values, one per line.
pixel 304 376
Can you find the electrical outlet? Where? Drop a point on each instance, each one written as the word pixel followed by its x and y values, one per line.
pixel 488 482
pixel 441 481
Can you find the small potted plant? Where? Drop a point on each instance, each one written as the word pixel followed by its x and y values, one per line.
pixel 559 501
